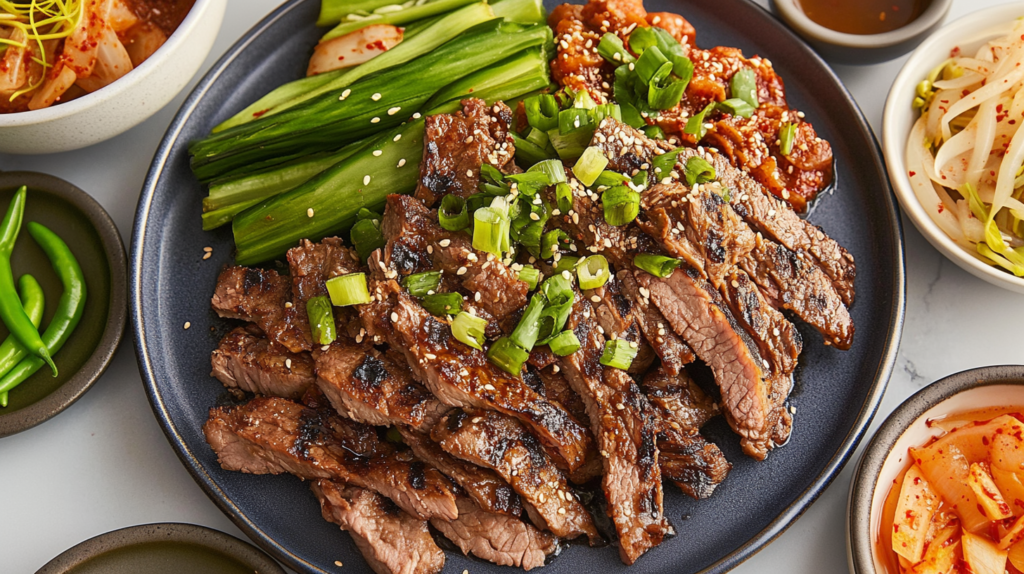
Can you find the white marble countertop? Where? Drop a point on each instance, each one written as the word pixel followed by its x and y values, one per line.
pixel 104 463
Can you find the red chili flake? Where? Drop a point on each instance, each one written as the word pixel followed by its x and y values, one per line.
pixel 954 52
pixel 377 45
pixel 895 527
pixel 999 108
pixel 981 510
pixel 340 58
pixel 984 439
pixel 912 174
pixel 917 480
pixel 1011 122
pixel 260 113
pixel 941 207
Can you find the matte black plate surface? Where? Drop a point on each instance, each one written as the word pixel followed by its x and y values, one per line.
pixel 168 548
pixel 836 395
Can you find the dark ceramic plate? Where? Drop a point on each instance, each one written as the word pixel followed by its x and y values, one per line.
pixel 93 238
pixel 163 549
pixel 836 394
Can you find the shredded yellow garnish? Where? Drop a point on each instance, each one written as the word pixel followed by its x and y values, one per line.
pixel 39 21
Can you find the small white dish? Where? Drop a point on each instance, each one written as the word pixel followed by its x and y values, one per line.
pixel 969 33
pixel 124 104
pixel 886 455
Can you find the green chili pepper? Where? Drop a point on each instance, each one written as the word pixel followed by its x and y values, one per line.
pixel 11 311
pixel 33 301
pixel 69 308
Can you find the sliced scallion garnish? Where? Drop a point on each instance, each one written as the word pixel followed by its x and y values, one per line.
pixel 366 237
pixel 590 165
pixel 469 329
pixel 593 272
pixel 321 320
pixel 695 125
pixel 441 304
pixel 527 330
pixel 565 343
pixel 737 107
pixel 743 85
pixel 348 290
pixel 698 170
pixel 453 214
pixel 542 111
pixel 507 356
pixel 786 135
pixel 530 275
pixel 563 196
pixel 612 49
pixel 657 265
pixel 619 354
pixel 421 284
pixel 621 205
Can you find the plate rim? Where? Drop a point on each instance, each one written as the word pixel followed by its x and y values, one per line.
pixel 749 548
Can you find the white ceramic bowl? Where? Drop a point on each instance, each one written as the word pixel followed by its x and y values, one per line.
pixel 968 32
pixel 886 454
pixel 123 104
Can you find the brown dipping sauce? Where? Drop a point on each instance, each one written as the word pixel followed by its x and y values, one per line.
pixel 166 14
pixel 863 16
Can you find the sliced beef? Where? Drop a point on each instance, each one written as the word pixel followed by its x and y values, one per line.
pixel 263 297
pixel 777 339
pixel 246 360
pixel 616 315
pixel 458 144
pixel 498 538
pixel 488 490
pixel 556 389
pixel 417 243
pixel 697 225
pixel 367 386
pixel 672 350
pixel 694 315
pixel 275 436
pixel 679 401
pixel 626 430
pixel 391 541
pixel 791 282
pixel 692 463
pixel 462 376
pixel 499 442
pixel 312 264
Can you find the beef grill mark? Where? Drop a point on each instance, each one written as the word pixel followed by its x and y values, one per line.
pixel 391 541
pixel 499 442
pixel 246 360
pixel 275 436
pixel 622 422
pixel 260 297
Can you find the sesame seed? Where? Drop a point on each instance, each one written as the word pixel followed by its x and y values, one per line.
pixel 325 348
pixel 288 364
pixel 416 116
pixel 207 249
pixel 469 173
pixel 534 216
pixel 567 275
pixel 394 110
pixel 309 212
pixel 561 510
pixel 595 299
pixel 461 271
pixel 375 97
pixel 445 242
pixel 366 180
pixel 338 563
pixel 394 317
pixel 620 406
pixel 288 305
pixel 345 94
pixel 187 324
pixel 401 162
pixel 397 137
pixel 488 387
pixel 207 255
pixel 430 356
pixel 375 120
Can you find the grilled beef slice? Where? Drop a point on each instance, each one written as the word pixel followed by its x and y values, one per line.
pixel 693 314
pixel 274 436
pixel 777 339
pixel 617 316
pixel 680 403
pixel 456 145
pixel 622 422
pixel 498 538
pixel 312 264
pixel 391 541
pixel 246 360
pixel 488 490
pixel 367 386
pixel 263 297
pixel 501 443
pixel 417 243
pixel 461 376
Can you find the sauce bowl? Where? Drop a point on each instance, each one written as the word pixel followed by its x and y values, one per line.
pixel 908 426
pixel 124 104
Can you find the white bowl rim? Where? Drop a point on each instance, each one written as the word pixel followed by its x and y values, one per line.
pixel 859 527
pixel 796 17
pixel 121 85
pixel 894 144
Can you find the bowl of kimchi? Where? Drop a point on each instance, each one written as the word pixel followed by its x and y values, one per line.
pixel 940 488
pixel 954 146
pixel 97 68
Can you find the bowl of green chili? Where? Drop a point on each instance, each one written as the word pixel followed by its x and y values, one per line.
pixel 63 296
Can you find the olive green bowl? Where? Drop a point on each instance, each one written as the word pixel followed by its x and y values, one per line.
pixel 93 238
pixel 168 548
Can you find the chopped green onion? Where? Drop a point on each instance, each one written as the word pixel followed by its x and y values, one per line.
pixel 490 174
pixel 657 265
pixel 421 284
pixel 507 356
pixel 560 296
pixel 558 290
pixel 612 49
pixel 570 146
pixel 631 116
pixel 664 164
pixel 573 119
pixel 698 170
pixel 453 214
pixel 563 197
pixel 610 178
pixel 366 237
pixel 650 63
pixel 542 111
pixel 786 136
pixel 590 165
pixel 695 125
pixel 621 205
pixel 321 320
pixel 532 179
pixel 348 289
pixel 737 107
pixel 469 329
pixel 664 92
pixel 530 275
pixel 583 101
pixel 364 213
pixel 619 354
pixel 640 180
pixel 654 132
pixel 443 304
pixel 641 39
pixel 529 153
pixel 552 169
pixel 491 228
pixel 743 85
pixel 593 272
pixel 564 344
pixel 566 263
pixel 552 242
pixel 599 113
pixel 526 331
